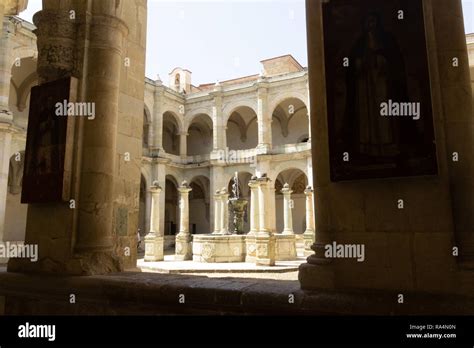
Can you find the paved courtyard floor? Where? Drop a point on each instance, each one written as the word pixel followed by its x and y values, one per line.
pixel 284 270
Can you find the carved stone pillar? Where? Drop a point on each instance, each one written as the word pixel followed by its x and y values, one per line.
pixel 184 238
pixel 99 150
pixel 287 210
pixel 308 235
pixel 56 40
pixel 154 239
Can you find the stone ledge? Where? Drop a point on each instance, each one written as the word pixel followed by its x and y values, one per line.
pixel 157 294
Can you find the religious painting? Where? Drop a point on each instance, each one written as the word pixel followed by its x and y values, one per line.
pixel 378 91
pixel 48 155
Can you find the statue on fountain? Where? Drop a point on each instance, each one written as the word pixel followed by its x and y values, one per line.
pixel 238 207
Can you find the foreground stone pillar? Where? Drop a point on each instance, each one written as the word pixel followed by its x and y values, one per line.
pixel 424 226
pixel 265 239
pixel 99 154
pixel 224 211
pixel 287 210
pixel 308 235
pixel 154 239
pixel 217 213
pixel 183 238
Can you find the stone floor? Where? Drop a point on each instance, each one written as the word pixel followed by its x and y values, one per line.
pixel 282 270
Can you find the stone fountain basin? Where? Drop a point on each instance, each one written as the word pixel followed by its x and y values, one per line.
pixel 219 248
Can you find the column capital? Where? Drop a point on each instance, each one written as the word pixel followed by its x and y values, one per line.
pixel 286 190
pixel 155 188
pixel 184 187
pixel 309 190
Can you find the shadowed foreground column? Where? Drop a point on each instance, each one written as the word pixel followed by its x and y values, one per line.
pixel 95 223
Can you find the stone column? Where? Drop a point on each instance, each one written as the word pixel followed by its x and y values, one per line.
pixel 224 211
pixel 219 128
pixel 254 215
pixel 265 239
pixel 264 118
pixel 6 62
pixel 308 235
pixel 99 153
pixel 254 220
pixel 184 238
pixel 287 210
pixel 217 213
pixel 157 123
pixel 154 239
pixel 183 144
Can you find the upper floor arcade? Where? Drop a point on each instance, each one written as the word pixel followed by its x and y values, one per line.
pixel 262 114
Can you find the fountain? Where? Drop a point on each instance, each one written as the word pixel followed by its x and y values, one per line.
pixel 223 245
pixel 239 207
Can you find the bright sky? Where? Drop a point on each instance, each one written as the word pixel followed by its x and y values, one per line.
pixel 225 39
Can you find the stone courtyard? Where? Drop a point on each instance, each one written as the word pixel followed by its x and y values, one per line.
pixel 239 194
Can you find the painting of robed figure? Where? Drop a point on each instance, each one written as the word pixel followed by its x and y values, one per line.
pixel 49 145
pixel 378 90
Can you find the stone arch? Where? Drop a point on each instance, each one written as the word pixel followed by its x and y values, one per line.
pixel 298 181
pixel 230 108
pixel 300 164
pixel 172 127
pixel 23 52
pixel 241 131
pixel 293 121
pixel 281 97
pixel 199 204
pixel 171 205
pixel 199 138
pixel 24 90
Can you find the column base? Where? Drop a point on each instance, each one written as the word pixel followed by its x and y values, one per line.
pixel 316 277
pixel 154 247
pixel 265 249
pixel 184 248
pixel 251 247
pixel 285 248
